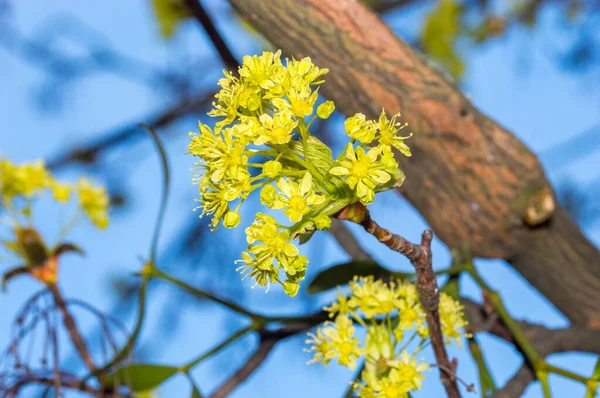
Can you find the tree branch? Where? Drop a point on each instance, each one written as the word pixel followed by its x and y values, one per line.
pixel 198 11
pixel 472 180
pixel 71 327
pixel 420 257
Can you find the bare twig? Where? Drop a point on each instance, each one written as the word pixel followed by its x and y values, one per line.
pixel 255 360
pixel 202 16
pixel 421 258
pixel 71 327
pixel 89 152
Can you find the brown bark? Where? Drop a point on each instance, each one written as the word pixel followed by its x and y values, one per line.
pixel 473 180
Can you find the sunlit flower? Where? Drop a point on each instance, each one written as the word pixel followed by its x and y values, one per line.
pixel 361 172
pixel 388 133
pixel 296 199
pixel 94 201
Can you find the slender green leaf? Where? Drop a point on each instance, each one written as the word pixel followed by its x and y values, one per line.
pixel 341 274
pixel 141 377
pixel 196 392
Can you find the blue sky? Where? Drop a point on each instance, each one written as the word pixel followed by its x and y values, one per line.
pixel 513 80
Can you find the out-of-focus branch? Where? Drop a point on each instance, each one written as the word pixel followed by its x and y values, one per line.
pixel 106 141
pixel 202 16
pixel 516 386
pixel 427 287
pixel 71 327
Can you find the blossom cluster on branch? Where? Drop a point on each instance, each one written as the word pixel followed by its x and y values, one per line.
pixel 396 332
pixel 263 142
pixel 21 185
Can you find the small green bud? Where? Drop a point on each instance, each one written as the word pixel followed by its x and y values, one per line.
pixel 268 195
pixel 231 219
pixel 322 221
pixel 325 109
pixel 272 168
pixel 291 288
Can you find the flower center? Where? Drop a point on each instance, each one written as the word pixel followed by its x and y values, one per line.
pixel 297 203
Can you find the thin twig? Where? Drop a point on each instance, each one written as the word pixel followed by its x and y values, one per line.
pixel 421 258
pixel 202 16
pixel 71 327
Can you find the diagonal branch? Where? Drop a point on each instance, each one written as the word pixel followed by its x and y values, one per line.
pixel 202 16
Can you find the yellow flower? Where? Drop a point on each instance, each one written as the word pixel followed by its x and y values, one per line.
pixel 325 109
pixel 231 219
pixel 26 179
pixel 277 129
pixel 336 340
pixel 214 202
pixel 299 101
pixel 452 319
pixel 339 306
pixel 262 271
pixel 94 201
pixel 296 199
pixel 274 247
pixel 258 70
pixel 407 371
pixel 373 297
pixel 222 155
pixel 362 171
pixel 304 72
pixel 61 192
pixel 268 195
pixel 387 133
pixel 272 168
pixel 361 129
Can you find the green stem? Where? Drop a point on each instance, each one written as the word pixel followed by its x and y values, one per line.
pixel 522 341
pixel 234 337
pixel 156 273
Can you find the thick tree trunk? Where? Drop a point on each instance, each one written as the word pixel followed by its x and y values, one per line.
pixel 472 180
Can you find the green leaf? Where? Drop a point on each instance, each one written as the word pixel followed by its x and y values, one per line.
pixel 196 392
pixel 341 274
pixel 440 34
pixel 319 154
pixel 305 237
pixel 169 14
pixel 141 377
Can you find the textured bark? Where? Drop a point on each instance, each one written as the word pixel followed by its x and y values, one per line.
pixel 472 180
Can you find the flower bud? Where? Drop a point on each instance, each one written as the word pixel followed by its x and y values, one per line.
pixel 231 219
pixel 268 195
pixel 291 288
pixel 325 109
pixel 322 222
pixel 358 127
pixel 272 168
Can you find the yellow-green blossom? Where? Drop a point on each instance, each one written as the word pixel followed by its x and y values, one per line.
pixel 325 109
pixel 388 130
pixel 336 340
pixel 361 129
pixel 296 199
pixel 362 172
pixel 94 201
pixel 258 70
pixel 26 179
pixel 272 168
pixel 277 129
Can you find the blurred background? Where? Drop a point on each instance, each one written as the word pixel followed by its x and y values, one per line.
pixel 77 77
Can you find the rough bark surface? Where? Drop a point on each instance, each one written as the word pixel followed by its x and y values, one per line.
pixel 473 180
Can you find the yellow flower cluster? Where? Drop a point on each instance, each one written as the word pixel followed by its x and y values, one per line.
pixel 21 184
pixel 262 141
pixel 393 318
pixel 368 170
